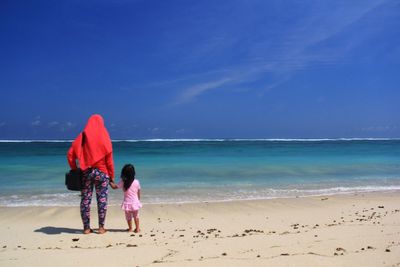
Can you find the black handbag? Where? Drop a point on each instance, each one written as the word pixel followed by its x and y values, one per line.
pixel 73 180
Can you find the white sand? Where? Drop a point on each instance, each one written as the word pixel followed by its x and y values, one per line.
pixel 347 230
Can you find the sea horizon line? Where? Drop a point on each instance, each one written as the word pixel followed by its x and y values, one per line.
pixel 210 140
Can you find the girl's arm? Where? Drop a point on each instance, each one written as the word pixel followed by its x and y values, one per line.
pixel 138 194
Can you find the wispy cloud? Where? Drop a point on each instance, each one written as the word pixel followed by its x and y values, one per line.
pixel 36 121
pixel 182 131
pixel 53 124
pixel 61 126
pixel 67 126
pixel 154 129
pixel 380 128
pixel 297 48
pixel 191 93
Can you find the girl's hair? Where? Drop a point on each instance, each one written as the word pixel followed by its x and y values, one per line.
pixel 128 175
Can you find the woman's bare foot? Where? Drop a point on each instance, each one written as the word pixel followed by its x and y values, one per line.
pixel 101 230
pixel 137 230
pixel 87 231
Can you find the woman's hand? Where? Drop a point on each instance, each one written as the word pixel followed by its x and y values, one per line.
pixel 113 185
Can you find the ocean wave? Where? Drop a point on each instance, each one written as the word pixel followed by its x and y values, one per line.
pixel 198 196
pixel 212 140
pixel 57 199
pixel 171 140
pixel 36 141
pixel 316 139
pixel 259 140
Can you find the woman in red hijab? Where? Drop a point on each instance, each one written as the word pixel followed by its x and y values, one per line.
pixel 93 149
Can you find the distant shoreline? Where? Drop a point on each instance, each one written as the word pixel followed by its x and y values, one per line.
pixel 335 192
pixel 210 140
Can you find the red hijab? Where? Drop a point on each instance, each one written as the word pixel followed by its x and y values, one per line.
pixel 93 143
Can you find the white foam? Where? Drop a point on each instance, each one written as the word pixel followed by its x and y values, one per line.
pixel 172 140
pixel 198 196
pixel 316 139
pixel 212 140
pixel 259 140
pixel 36 141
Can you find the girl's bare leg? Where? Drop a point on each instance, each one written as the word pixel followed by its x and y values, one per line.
pixel 128 217
pixel 136 217
pixel 137 230
pixel 129 225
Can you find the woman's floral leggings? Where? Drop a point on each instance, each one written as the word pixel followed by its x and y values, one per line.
pixel 100 181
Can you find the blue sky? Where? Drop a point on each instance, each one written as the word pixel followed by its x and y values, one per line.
pixel 200 69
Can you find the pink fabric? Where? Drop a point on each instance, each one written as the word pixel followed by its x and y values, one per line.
pixel 131 200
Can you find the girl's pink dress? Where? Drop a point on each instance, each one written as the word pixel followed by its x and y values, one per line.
pixel 131 201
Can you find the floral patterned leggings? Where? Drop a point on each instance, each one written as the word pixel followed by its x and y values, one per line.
pixel 100 181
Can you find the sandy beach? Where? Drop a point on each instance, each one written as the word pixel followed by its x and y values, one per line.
pixel 342 230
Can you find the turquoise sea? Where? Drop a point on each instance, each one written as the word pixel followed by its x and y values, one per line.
pixel 32 173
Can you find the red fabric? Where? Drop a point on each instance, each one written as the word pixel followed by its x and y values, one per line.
pixel 92 147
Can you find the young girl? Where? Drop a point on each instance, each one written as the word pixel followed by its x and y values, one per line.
pixel 131 188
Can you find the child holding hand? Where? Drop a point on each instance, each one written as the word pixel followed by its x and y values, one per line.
pixel 131 203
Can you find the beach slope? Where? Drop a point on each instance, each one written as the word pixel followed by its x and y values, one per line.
pixel 343 230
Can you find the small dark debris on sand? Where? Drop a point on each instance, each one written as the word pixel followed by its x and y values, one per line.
pixel 224 254
pixel 131 246
pixel 339 250
pixel 387 250
pixel 285 254
pixel 75 239
pixel 249 231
